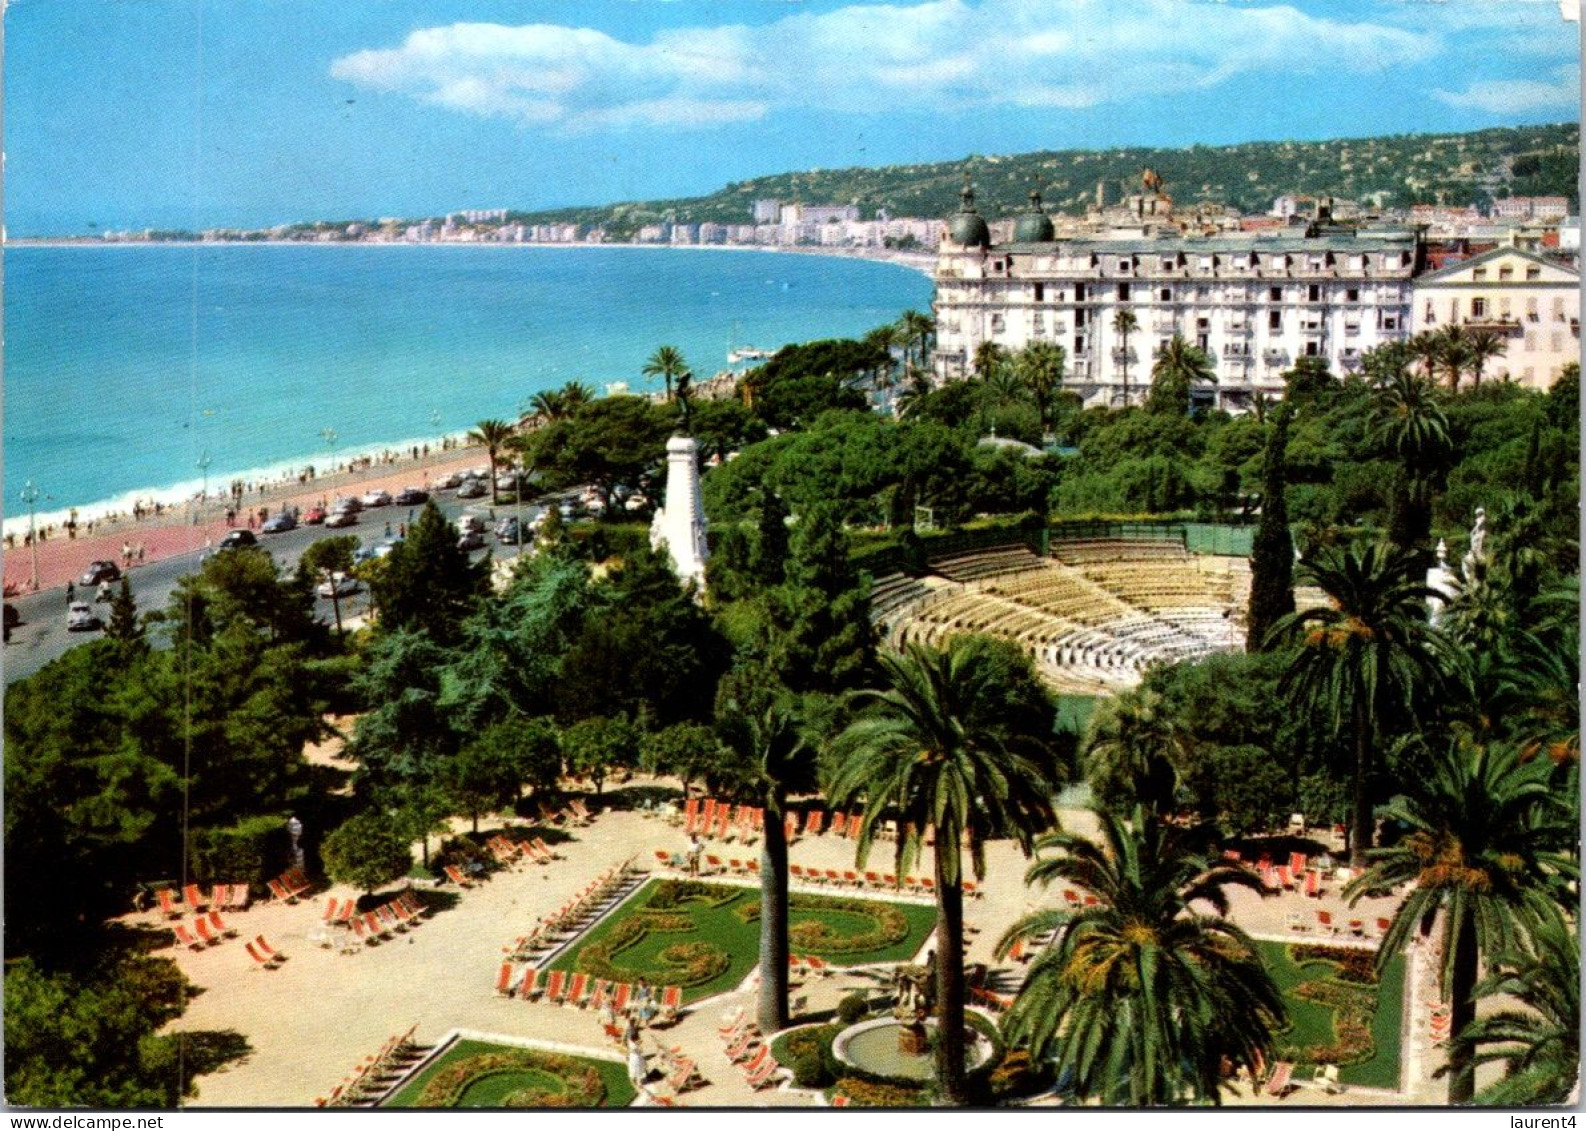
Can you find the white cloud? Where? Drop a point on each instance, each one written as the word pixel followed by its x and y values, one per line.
pixel 1518 96
pixel 936 56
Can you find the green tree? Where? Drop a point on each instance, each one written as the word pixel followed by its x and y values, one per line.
pixel 1272 553
pixel 952 746
pixel 1040 366
pixel 990 361
pixel 769 558
pixel 405 734
pixel 1178 369
pixel 666 363
pixel 326 558
pixel 1124 324
pixel 1133 751
pixel 1481 346
pixel 595 747
pixel 429 585
pixel 1487 861
pixel 608 442
pixel 484 775
pixel 1408 423
pixel 919 334
pixel 366 851
pixel 1145 998
pixel 1364 660
pixel 690 752
pixel 124 626
pixel 1538 1044
pixel 822 612
pixel 493 435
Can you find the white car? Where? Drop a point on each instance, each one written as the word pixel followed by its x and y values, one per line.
pixel 376 498
pixel 339 585
pixel 80 617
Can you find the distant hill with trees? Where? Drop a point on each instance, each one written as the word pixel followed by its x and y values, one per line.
pixel 1395 171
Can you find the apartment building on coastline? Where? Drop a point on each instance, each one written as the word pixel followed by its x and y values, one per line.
pixel 1254 301
pixel 1532 303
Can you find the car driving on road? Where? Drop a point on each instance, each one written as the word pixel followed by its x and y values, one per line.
pixel 80 617
pixel 100 571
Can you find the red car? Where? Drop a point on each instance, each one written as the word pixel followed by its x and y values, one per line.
pixel 313 516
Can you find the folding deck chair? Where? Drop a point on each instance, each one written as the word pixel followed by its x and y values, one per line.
pixel 185 937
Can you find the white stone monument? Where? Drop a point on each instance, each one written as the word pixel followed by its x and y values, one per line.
pixel 680 523
pixel 1440 579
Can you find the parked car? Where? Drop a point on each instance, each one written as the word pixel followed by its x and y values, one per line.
pixel 448 482
pixel 350 503
pixel 100 571
pixel 338 519
pixel 471 540
pixel 376 498
pixel 238 539
pixel 80 617
pixel 507 531
pixel 278 524
pixel 472 489
pixel 338 585
pixel 469 522
pixel 411 497
pixel 313 516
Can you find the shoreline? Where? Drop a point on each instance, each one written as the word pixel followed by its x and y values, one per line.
pixel 921 261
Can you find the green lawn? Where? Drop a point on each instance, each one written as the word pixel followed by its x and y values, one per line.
pixel 491 1089
pixel 1315 1026
pixel 720 930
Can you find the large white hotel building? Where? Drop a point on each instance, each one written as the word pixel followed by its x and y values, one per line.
pixel 1255 302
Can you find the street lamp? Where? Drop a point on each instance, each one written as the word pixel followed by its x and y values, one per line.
pixel 30 496
pixel 203 466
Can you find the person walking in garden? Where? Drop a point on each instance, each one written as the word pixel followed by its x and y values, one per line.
pixel 696 849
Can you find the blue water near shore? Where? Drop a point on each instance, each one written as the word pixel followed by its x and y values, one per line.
pixel 125 366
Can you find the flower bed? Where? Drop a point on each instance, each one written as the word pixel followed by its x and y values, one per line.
pixel 889 925
pixel 1353 964
pixel 553 1080
pixel 864 1093
pixel 681 964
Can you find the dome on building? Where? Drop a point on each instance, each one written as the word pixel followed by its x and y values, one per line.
pixel 1034 226
pixel 966 228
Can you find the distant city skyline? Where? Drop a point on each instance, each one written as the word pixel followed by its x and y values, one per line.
pixel 204 114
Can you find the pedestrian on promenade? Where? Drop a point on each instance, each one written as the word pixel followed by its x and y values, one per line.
pixel 140 553
pixel 71 593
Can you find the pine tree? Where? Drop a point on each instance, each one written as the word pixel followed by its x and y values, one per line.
pixel 768 563
pixel 124 625
pixel 1272 555
pixel 822 612
pixel 428 583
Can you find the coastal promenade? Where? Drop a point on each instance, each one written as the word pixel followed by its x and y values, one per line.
pixel 175 531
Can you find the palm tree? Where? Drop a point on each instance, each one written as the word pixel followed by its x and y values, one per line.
pixel 940 752
pixel 1040 366
pixel 1539 682
pixel 989 361
pixel 773 757
pixel 914 394
pixel 666 363
pixel 918 330
pixel 1481 346
pixel 1487 857
pixel 1539 1044
pixel 886 338
pixel 1144 998
pixel 1427 351
pixel 1132 750
pixel 493 434
pixel 1124 324
pixel 1453 351
pixel 1365 659
pixel 1406 420
pixel 1178 369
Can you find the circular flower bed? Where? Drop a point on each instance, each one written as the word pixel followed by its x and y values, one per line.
pixel 1349 992
pixel 888 925
pixel 682 964
pixel 551 1080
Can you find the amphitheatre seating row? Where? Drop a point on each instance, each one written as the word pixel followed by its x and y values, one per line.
pixel 893 592
pixel 981 564
pixel 1083 551
pixel 375 1074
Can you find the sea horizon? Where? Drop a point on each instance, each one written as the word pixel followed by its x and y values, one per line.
pixel 451 331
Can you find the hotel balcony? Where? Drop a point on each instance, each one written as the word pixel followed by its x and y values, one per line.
pixel 1498 325
pixel 1313 329
pixel 1275 357
pixel 1236 350
pixel 1351 331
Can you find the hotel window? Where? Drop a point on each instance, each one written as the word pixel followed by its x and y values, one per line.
pixel 1479 274
pixel 1390 321
pixel 1558 309
pixel 1352 294
pixel 1533 273
pixel 1206 263
pixel 1505 272
pixel 1531 314
pixel 1316 263
pixel 1275 320
pixel 1079 292
pixel 997 324
pixel 1123 292
pixel 1430 316
pixel 1165 294
pixel 1038 323
pixel 1168 264
pixel 1453 310
pixel 1478 308
pixel 1313 348
pixel 1503 307
pixel 1040 292
pixel 1313 293
pixel 1123 266
pixel 1530 340
pixel 1274 294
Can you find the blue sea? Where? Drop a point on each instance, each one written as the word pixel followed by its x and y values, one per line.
pixel 142 371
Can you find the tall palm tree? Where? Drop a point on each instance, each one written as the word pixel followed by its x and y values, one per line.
pixel 1145 998
pixel 1365 659
pixel 1406 420
pixel 1487 858
pixel 915 391
pixel 1453 352
pixel 1124 324
pixel 666 363
pixel 1178 369
pixel 1427 351
pixel 939 751
pixel 1539 1045
pixel 493 434
pixel 886 338
pixel 990 360
pixel 1132 750
pixel 1481 346
pixel 918 330
pixel 1039 366
pixel 774 757
pixel 1539 683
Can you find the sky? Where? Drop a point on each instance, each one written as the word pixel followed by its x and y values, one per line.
pixel 200 113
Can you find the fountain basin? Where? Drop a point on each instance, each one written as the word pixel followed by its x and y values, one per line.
pixel 876 1047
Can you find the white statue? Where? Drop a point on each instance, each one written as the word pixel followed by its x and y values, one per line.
pixel 1477 555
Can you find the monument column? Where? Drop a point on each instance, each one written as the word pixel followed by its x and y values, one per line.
pixel 679 525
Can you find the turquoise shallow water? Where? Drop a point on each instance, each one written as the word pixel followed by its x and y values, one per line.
pixel 125 366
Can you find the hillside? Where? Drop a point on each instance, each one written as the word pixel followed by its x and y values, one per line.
pixel 1397 171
